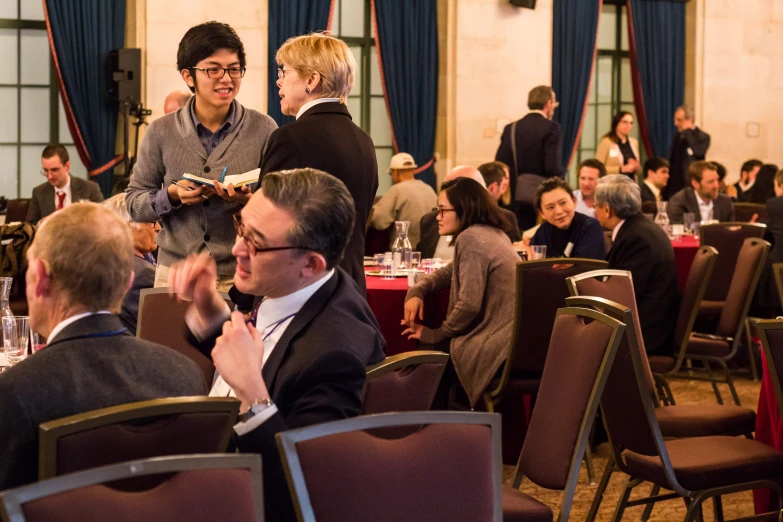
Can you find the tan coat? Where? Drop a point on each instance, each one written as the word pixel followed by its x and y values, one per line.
pixel 609 154
pixel 480 318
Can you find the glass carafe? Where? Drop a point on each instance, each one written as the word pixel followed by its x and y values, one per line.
pixel 402 249
pixel 662 218
pixel 5 294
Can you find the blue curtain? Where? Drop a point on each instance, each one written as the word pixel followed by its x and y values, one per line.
pixel 574 29
pixel 657 37
pixel 289 18
pixel 408 50
pixel 82 33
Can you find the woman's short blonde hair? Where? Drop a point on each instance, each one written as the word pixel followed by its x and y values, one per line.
pixel 324 54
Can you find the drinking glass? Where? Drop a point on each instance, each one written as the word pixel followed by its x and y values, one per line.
pixel 379 261
pixel 695 227
pixel 537 252
pixel 415 260
pixel 16 333
pixel 688 219
pixel 388 269
pixel 426 266
pixel 677 231
pixel 37 342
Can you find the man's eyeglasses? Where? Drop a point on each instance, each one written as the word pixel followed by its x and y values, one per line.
pixel 251 245
pixel 216 73
pixel 46 172
pixel 442 210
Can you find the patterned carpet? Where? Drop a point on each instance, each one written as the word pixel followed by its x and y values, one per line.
pixel 685 392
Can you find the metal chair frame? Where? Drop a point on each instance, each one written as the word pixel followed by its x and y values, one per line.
pixel 405 360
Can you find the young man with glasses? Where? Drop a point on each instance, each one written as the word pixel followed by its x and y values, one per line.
pixel 61 189
pixel 211 135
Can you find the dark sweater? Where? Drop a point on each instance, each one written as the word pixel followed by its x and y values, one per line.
pixel 585 233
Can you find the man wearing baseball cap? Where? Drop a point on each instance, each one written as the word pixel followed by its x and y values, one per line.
pixel 408 199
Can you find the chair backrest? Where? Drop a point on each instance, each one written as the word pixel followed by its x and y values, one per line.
pixel 727 238
pixel 616 286
pixel 695 286
pixel 404 382
pixel 203 488
pixel 162 321
pixel 777 270
pixel 650 207
pixel 744 212
pixel 770 332
pixel 450 469
pixel 583 346
pixel 541 291
pixel 133 431
pixel 17 210
pixel 750 263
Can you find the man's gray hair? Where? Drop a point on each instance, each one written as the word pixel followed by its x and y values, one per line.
pixel 621 194
pixel 687 111
pixel 538 97
pixel 117 205
pixel 322 207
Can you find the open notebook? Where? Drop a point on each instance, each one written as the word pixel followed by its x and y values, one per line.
pixel 238 180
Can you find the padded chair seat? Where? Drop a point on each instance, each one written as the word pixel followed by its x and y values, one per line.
pixel 704 420
pixel 523 508
pixel 711 308
pixel 713 347
pixel 710 462
pixel 661 363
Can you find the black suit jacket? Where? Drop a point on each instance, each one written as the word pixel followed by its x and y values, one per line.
pixel 644 249
pixel 687 146
pixel 315 374
pixel 78 372
pixel 325 138
pixel 42 201
pixel 685 201
pixel 538 148
pixel 428 232
pixel 647 194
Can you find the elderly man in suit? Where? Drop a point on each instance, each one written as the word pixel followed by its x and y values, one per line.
pixel 433 244
pixel 301 360
pixel 643 248
pixel 702 198
pixel 61 189
pixel 90 361
pixel 689 144
pixel 531 147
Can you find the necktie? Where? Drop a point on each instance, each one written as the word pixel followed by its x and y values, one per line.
pixel 60 200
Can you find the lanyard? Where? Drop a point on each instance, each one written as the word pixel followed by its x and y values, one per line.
pixel 277 324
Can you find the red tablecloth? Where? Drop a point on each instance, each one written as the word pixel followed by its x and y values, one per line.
pixel 386 298
pixel 768 430
pixel 684 251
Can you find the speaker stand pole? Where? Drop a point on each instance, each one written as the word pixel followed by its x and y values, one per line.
pixel 125 140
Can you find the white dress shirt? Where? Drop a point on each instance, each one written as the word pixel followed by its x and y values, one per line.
pixel 581 206
pixel 616 229
pixel 655 190
pixel 274 316
pixel 312 103
pixel 62 324
pixel 705 208
pixel 67 190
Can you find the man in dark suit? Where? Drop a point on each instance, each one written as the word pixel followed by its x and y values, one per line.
pixel 302 358
pixel 90 361
pixel 689 144
pixel 430 241
pixel 61 189
pixel 656 176
pixel 702 198
pixel 643 248
pixel 533 150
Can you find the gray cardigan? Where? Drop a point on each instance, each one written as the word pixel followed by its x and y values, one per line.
pixel 171 148
pixel 480 317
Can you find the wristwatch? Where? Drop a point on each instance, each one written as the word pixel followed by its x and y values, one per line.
pixel 255 408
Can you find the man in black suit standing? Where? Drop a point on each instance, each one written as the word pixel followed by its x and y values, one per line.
pixel 656 176
pixel 643 248
pixel 61 189
pixel 90 361
pixel 689 144
pixel 702 198
pixel 531 147
pixel 301 360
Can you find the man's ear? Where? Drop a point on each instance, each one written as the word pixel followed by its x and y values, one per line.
pixel 130 281
pixel 42 280
pixel 316 263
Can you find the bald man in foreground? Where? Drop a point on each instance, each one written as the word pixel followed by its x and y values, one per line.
pixel 433 244
pixel 175 100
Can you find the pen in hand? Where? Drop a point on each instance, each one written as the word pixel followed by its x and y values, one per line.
pixel 188 188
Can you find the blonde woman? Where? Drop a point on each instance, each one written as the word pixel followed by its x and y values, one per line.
pixel 315 74
pixel 618 150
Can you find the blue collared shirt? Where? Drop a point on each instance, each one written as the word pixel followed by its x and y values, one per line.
pixel 210 140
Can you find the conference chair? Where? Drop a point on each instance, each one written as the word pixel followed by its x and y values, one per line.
pixel 744 212
pixel 17 210
pixel 403 382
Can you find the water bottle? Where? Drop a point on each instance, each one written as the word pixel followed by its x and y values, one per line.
pixel 402 249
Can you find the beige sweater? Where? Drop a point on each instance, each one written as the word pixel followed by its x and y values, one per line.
pixel 480 318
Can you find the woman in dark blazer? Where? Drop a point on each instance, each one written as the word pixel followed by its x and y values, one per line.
pixel 315 75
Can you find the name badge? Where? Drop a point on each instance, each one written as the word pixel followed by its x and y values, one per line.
pixel 613 153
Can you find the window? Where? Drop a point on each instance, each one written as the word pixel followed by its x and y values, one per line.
pixel 611 88
pixel 33 116
pixel 352 23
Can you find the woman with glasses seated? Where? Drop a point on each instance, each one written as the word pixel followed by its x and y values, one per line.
pixel 212 135
pixel 564 232
pixel 315 75
pixel 481 305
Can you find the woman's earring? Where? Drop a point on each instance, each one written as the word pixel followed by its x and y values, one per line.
pixel 307 90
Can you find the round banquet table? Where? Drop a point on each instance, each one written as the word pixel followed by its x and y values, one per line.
pixel 386 298
pixel 685 250
pixel 769 430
